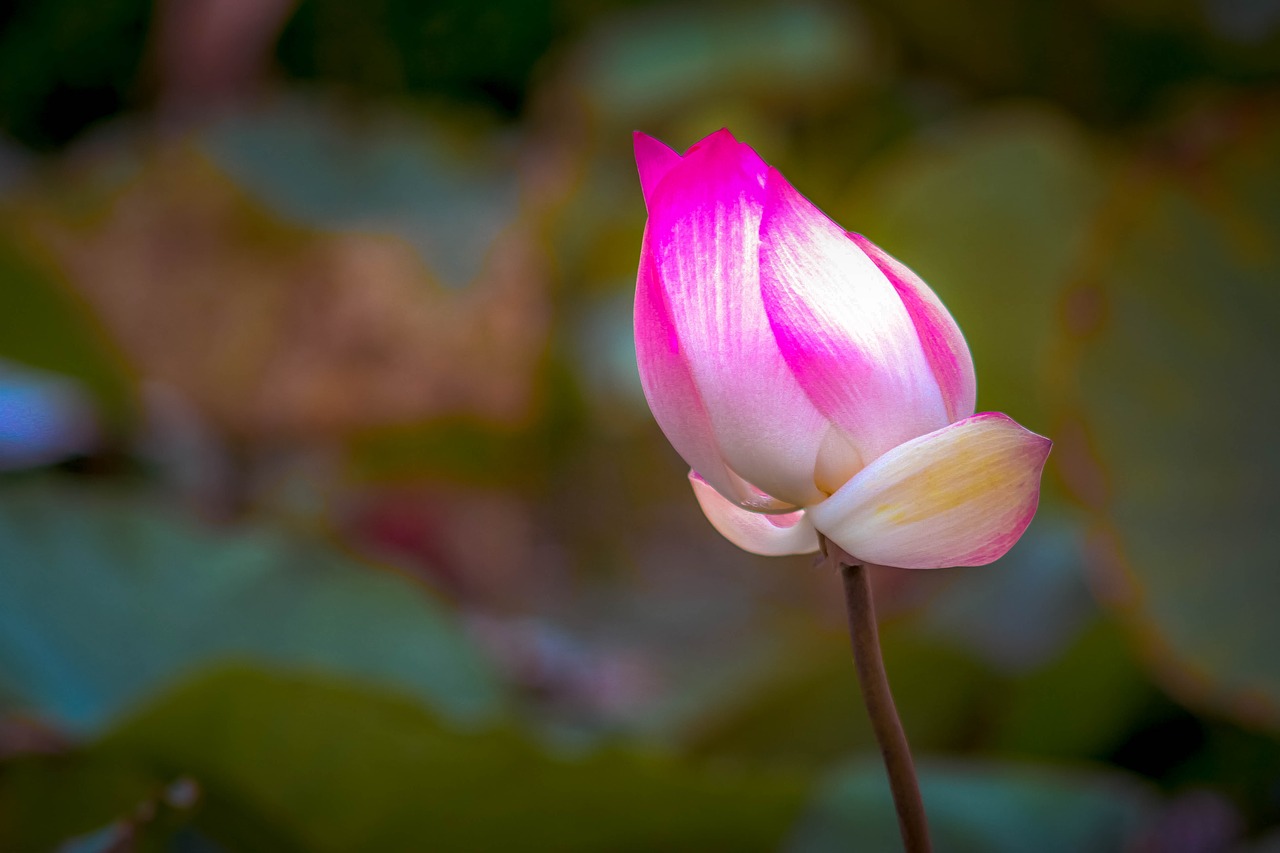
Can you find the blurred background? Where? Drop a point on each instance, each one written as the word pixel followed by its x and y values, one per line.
pixel 332 516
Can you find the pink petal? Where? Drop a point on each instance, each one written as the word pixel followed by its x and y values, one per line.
pixel 673 397
pixel 944 345
pixel 703 238
pixel 843 328
pixel 653 160
pixel 768 535
pixel 960 496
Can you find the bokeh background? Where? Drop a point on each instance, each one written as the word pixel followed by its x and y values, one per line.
pixel 332 516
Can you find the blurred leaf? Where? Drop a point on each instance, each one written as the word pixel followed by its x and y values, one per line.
pixel 87 800
pixel 809 708
pixel 984 808
pixel 653 61
pixel 345 769
pixel 1178 378
pixel 1110 693
pixel 1238 762
pixel 47 799
pixel 42 324
pixel 107 597
pixel 276 332
pixel 1020 612
pixel 378 170
pixel 1109 61
pixel 993 213
pixel 454 48
pixel 452 450
pixel 65 66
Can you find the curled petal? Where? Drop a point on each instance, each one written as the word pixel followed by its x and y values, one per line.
pixel 703 241
pixel 767 535
pixel 944 345
pixel 653 160
pixel 960 496
pixel 842 327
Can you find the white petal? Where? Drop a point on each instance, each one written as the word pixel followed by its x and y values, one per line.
pixel 768 535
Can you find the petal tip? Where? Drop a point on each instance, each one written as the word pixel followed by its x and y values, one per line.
pixel 654 159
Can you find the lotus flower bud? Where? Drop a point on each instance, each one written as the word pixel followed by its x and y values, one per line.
pixel 812 382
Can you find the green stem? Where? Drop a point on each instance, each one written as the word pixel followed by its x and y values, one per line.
pixel 879 701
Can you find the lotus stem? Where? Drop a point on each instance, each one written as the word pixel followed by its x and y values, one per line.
pixel 869 661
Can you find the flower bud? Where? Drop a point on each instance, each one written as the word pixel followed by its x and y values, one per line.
pixel 812 382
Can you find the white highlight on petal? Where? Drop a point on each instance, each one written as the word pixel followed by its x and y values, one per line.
pixel 842 327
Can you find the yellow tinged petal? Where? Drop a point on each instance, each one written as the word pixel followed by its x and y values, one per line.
pixel 961 495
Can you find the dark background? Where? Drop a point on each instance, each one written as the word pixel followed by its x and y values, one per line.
pixel 332 516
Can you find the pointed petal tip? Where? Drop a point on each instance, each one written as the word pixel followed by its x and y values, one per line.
pixel 654 159
pixel 717 137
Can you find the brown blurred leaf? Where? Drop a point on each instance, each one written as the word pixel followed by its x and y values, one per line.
pixel 276 332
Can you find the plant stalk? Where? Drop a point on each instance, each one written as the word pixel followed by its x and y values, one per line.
pixel 892 739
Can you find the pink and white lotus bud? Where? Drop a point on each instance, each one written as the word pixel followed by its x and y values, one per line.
pixel 812 382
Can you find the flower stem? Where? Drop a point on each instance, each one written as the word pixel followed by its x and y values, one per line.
pixel 879 701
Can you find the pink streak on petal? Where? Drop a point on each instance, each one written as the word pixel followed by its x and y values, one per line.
pixel 668 384
pixel 944 345
pixel 842 327
pixel 704 237
pixel 673 397
pixel 653 161
pixel 769 535
pixel 959 496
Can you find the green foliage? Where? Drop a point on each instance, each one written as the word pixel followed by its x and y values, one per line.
pixel 1110 693
pixel 484 53
pixel 108 596
pixel 1176 373
pixel 809 710
pixel 1107 241
pixel 993 212
pixel 340 768
pixel 45 800
pixel 44 324
pixel 375 174
pixel 983 809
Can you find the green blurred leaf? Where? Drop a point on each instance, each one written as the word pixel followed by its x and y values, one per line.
pixel 107 596
pixel 984 808
pixel 348 769
pixel 454 48
pixel 993 213
pixel 448 189
pixel 1178 391
pixel 47 799
pixel 89 799
pixel 1110 692
pixel 43 325
pixel 1020 612
pixel 809 708
pixel 652 62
